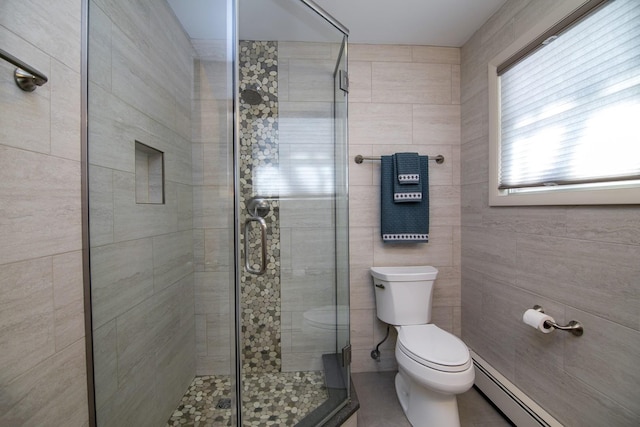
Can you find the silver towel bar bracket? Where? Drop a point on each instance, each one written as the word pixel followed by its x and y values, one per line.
pixel 439 159
pixel 574 327
pixel 26 77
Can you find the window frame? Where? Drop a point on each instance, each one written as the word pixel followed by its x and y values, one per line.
pixel 607 193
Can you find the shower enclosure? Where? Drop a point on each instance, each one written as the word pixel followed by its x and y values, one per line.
pixel 217 223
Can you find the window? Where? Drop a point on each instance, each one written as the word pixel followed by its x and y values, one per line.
pixel 565 110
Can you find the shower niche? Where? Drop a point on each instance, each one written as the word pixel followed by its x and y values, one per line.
pixel 203 309
pixel 149 174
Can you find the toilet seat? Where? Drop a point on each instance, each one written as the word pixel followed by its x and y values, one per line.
pixel 434 348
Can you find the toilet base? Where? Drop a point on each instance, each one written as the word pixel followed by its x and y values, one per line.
pixel 424 407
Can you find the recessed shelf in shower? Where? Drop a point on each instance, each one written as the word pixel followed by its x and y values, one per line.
pixel 149 174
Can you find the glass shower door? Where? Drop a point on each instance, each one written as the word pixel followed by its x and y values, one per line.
pixel 293 284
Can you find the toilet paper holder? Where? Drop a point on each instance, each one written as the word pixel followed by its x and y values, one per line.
pixel 574 327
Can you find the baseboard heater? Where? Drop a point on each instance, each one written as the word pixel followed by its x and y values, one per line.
pixel 517 406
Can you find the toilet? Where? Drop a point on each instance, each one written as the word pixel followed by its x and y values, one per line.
pixel 433 365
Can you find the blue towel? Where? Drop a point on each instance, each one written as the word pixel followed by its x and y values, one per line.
pixel 407 167
pixel 406 191
pixel 403 222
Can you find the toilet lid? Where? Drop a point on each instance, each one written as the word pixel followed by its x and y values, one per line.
pixel 433 347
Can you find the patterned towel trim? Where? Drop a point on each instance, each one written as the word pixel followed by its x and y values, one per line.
pixel 407 197
pixel 409 178
pixel 406 236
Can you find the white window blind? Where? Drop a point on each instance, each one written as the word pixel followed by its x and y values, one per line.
pixel 570 111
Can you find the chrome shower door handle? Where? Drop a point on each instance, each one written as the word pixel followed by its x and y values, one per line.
pixel 263 242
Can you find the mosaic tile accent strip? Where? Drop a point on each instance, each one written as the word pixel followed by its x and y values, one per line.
pixel 270 399
pixel 259 164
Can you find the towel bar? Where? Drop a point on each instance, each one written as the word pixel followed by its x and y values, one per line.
pixel 439 159
pixel 26 77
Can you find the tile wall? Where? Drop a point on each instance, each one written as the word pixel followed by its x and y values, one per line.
pixel 42 361
pixel 402 98
pixel 212 207
pixel 578 262
pixel 142 255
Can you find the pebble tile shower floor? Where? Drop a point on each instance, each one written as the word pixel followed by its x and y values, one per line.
pixel 270 399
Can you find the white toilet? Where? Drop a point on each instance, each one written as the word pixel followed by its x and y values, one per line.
pixel 433 365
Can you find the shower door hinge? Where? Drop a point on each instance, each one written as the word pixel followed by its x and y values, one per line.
pixel 346 355
pixel 344 81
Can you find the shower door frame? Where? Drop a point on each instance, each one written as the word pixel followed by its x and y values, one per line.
pixel 233 44
pixel 238 222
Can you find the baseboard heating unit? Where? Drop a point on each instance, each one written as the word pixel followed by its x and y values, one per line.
pixel 517 406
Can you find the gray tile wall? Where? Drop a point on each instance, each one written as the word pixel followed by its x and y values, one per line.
pixel 212 208
pixel 42 361
pixel 402 98
pixel 142 255
pixel 579 263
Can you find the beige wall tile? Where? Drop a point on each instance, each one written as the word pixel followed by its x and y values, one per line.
pixel 105 362
pixel 101 206
pixel 283 80
pixel 379 53
pixel 212 293
pixel 455 84
pixel 217 253
pixel 311 80
pixel 172 258
pixel 50 393
pixel 306 256
pixel 52 27
pixel 65 111
pixel 16 106
pixel 360 174
pixel 572 260
pixel 306 289
pixel 68 298
pixel 304 50
pixel 535 376
pixel 359 81
pixel 362 328
pixel 436 54
pixel 27 315
pixel 118 283
pixel 132 220
pixel 411 83
pixel 362 291
pixel 378 123
pixel 218 335
pixel 444 205
pixel 42 366
pixel 100 46
pixel 582 275
pixel 135 84
pixel 436 124
pixel 364 206
pixel 211 206
pixel 40 196
pixel 607 359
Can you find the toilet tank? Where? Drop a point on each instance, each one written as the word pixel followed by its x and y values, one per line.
pixel 403 294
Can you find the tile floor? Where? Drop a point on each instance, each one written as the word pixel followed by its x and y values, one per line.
pixel 379 406
pixel 271 399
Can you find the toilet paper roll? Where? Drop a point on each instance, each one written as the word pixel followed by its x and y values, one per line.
pixel 536 319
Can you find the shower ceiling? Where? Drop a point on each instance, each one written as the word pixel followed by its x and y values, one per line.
pixel 423 22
